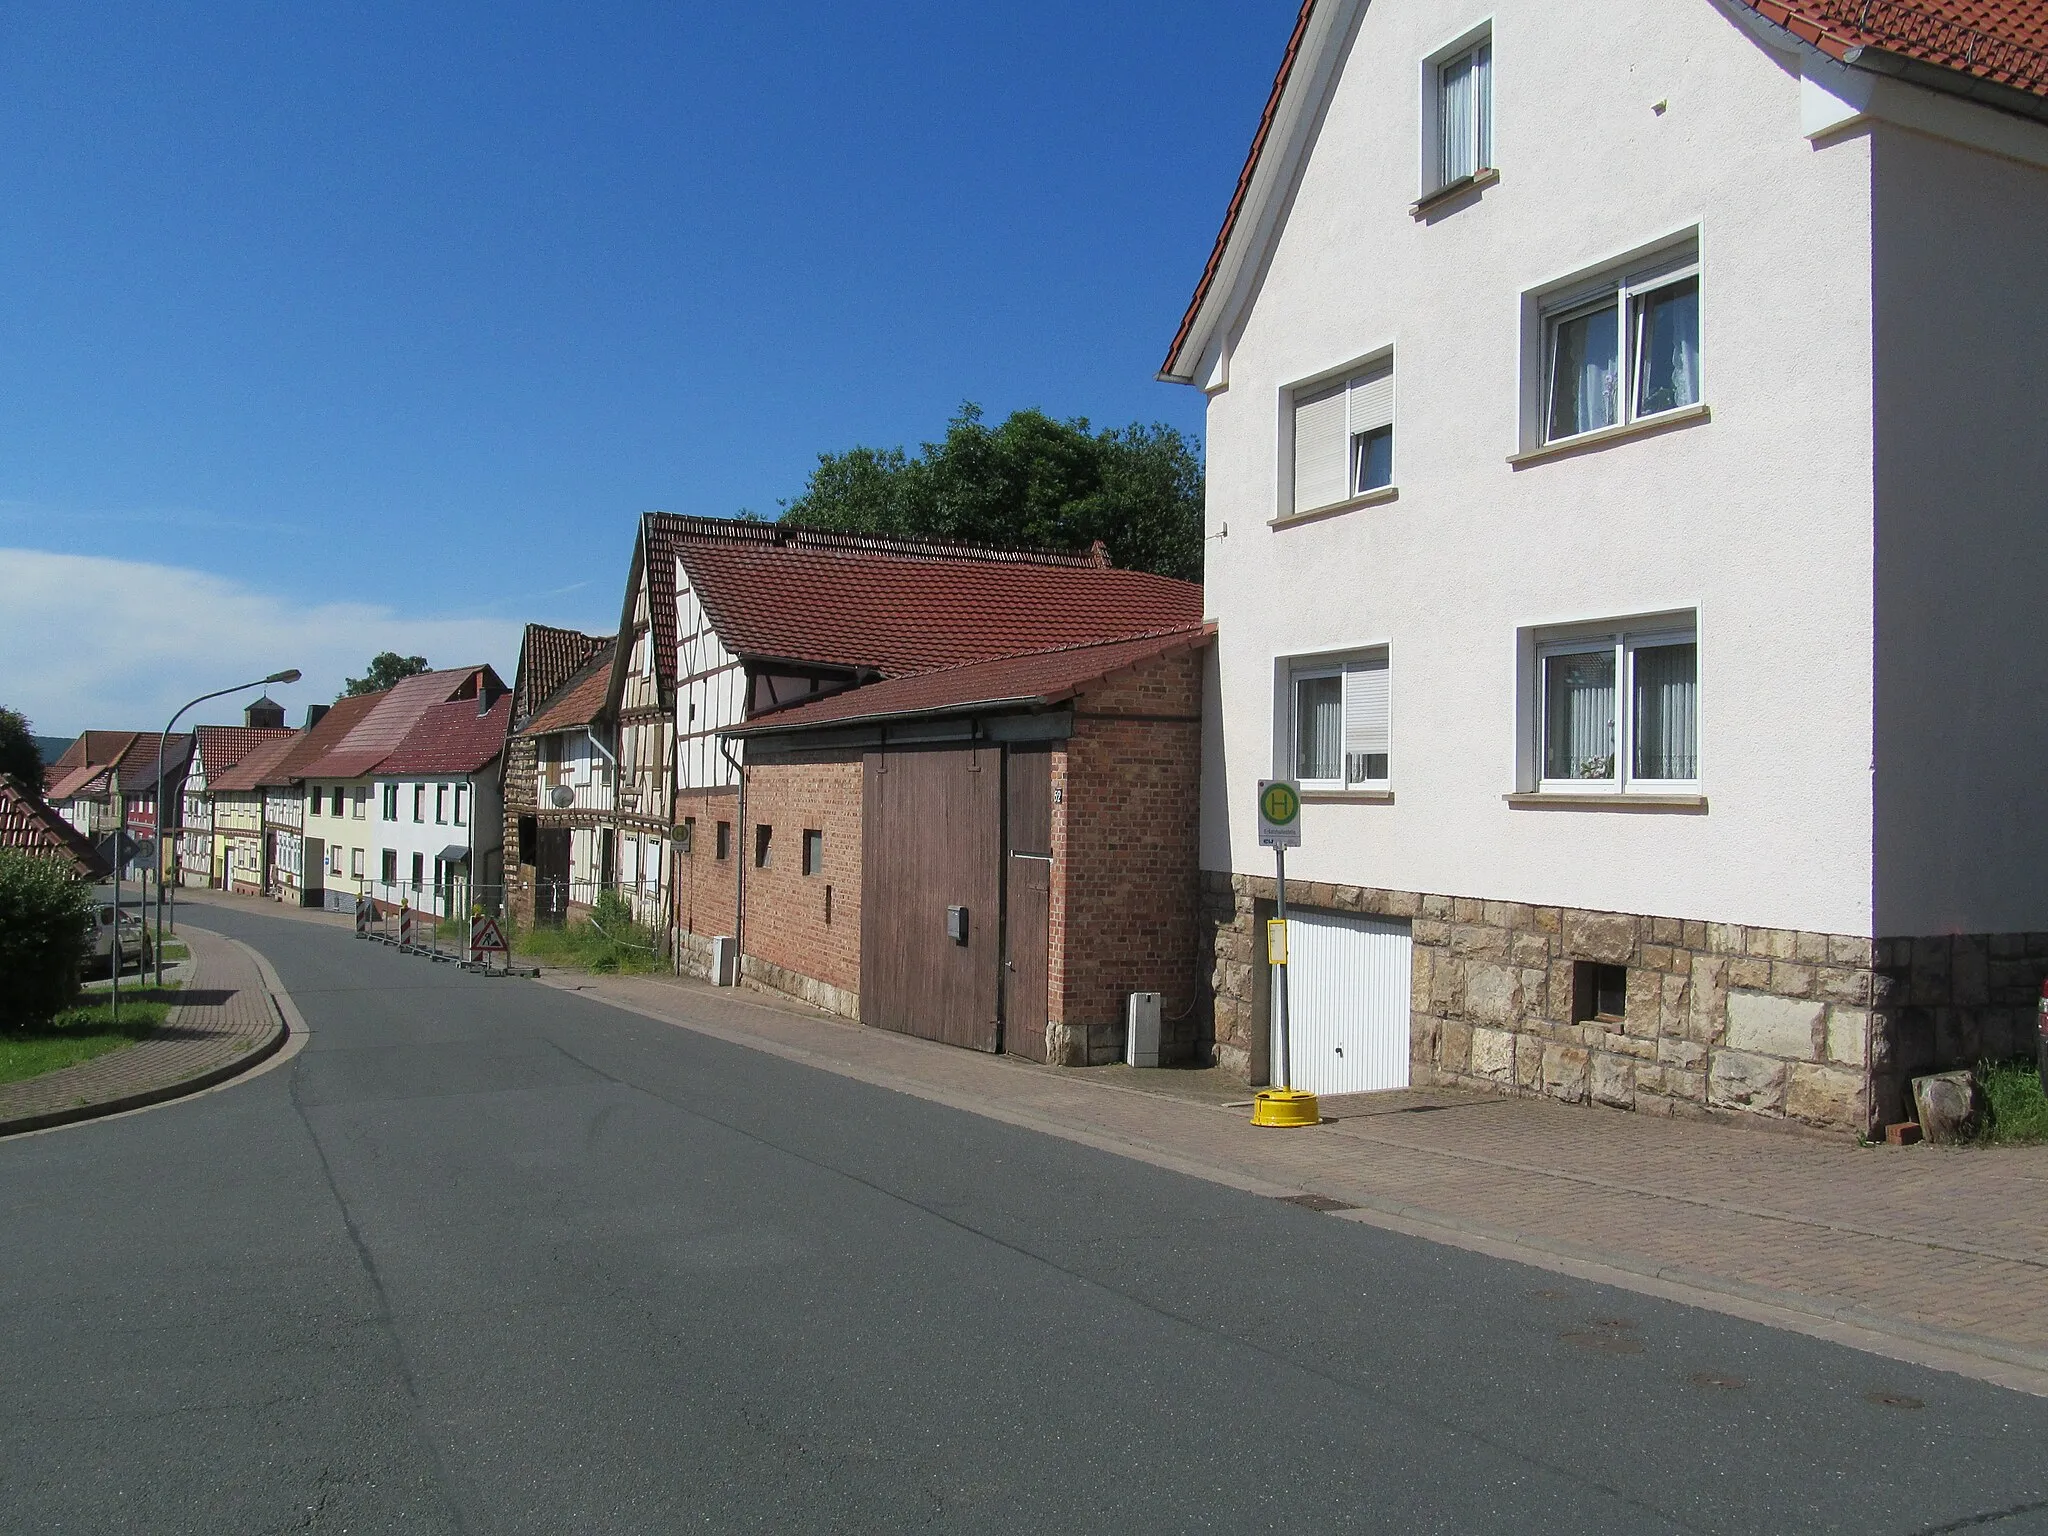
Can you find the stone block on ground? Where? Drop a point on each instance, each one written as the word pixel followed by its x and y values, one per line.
pixel 1947 1103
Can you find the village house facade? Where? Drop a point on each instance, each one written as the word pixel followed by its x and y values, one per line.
pixel 570 856
pixel 440 822
pixel 549 658
pixel 1623 502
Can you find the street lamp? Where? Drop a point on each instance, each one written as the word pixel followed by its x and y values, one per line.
pixel 289 675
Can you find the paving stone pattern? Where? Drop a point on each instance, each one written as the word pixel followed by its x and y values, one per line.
pixel 1949 1240
pixel 223 1014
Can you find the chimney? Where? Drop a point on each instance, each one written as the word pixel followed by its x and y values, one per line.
pixel 315 713
pixel 265 714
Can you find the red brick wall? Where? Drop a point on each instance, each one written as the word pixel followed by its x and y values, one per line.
pixel 1126 869
pixel 706 889
pixel 787 923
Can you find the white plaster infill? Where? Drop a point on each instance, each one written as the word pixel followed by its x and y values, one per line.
pixel 1600 437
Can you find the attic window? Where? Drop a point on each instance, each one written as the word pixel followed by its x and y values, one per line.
pixel 1461 119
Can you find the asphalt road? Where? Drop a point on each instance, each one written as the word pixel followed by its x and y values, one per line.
pixel 490 1257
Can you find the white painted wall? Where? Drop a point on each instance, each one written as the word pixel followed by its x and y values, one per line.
pixel 1961 252
pixel 711 691
pixel 1758 519
pixel 482 829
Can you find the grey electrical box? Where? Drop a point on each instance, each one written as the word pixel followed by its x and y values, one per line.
pixel 956 924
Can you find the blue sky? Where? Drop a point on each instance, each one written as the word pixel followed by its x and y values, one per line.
pixel 395 316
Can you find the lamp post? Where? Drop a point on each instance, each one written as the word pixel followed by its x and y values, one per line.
pixel 289 675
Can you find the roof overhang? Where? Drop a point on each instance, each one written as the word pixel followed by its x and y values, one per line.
pixel 1314 55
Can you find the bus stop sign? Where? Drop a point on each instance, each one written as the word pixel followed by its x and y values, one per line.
pixel 1279 813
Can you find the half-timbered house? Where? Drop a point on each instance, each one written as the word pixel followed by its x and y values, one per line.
pixel 548 658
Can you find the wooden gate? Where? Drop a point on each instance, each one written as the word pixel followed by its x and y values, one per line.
pixel 551 877
pixel 1027 906
pixel 931 840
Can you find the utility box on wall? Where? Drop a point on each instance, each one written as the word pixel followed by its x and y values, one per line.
pixel 1141 1038
pixel 725 962
pixel 956 924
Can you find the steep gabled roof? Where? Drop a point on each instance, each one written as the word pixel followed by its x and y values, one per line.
pixel 251 772
pixel 1990 51
pixel 35 829
pixel 379 732
pixel 316 741
pixel 894 613
pixel 94 779
pixel 578 701
pixel 548 658
pixel 452 738
pixel 1032 681
pixel 220 747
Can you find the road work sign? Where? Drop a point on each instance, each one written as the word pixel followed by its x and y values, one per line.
pixel 1279 813
pixel 485 937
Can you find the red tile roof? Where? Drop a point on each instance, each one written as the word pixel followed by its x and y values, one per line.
pixel 131 754
pixel 223 746
pixel 94 779
pixel 2001 41
pixel 452 739
pixel 666 535
pixel 577 702
pixel 253 771
pixel 548 658
pixel 898 615
pixel 313 743
pixel 379 732
pixel 1022 682
pixel 35 829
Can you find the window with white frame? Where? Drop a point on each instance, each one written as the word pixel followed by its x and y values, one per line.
pixel 1343 438
pixel 1622 347
pixel 1618 711
pixel 1461 92
pixel 1338 725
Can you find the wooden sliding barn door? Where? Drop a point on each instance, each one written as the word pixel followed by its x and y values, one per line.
pixel 1027 910
pixel 932 840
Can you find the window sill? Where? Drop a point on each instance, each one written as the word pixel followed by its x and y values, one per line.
pixel 1586 442
pixel 1375 498
pixel 1347 797
pixel 1451 191
pixel 1604 801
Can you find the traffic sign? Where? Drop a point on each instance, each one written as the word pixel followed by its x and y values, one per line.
pixel 1279 813
pixel 485 938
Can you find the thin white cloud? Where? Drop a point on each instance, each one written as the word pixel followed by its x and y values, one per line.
pixel 87 642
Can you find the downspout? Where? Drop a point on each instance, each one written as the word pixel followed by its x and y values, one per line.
pixel 739 916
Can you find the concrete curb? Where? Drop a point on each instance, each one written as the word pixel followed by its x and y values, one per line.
pixel 163 1093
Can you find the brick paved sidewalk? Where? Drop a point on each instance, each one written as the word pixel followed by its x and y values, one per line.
pixel 1945 1250
pixel 224 1023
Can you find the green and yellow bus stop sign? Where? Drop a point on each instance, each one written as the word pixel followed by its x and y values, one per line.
pixel 1279 813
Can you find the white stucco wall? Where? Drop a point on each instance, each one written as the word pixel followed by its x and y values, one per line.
pixel 1961 255
pixel 1758 519
pixel 483 834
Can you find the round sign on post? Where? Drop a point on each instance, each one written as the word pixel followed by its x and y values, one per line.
pixel 1279 813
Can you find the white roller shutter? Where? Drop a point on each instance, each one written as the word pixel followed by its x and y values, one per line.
pixel 1365 708
pixel 1322 448
pixel 1370 399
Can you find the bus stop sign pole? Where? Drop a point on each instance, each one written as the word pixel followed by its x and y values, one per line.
pixel 1280 829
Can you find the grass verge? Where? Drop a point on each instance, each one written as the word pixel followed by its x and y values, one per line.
pixel 2015 1110
pixel 79 1034
pixel 607 942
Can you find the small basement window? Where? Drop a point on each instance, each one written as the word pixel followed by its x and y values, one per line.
pixel 1600 993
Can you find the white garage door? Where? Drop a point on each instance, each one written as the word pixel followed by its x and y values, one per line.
pixel 1347 997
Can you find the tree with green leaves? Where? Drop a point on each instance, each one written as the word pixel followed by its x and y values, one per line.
pixel 43 935
pixel 1032 482
pixel 386 668
pixel 20 758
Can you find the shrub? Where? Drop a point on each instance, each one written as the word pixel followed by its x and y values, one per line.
pixel 43 914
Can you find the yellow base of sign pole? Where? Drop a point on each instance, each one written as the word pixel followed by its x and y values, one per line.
pixel 1285 1107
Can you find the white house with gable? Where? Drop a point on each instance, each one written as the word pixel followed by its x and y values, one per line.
pixel 1627 509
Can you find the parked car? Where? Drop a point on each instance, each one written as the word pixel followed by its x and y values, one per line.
pixel 134 939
